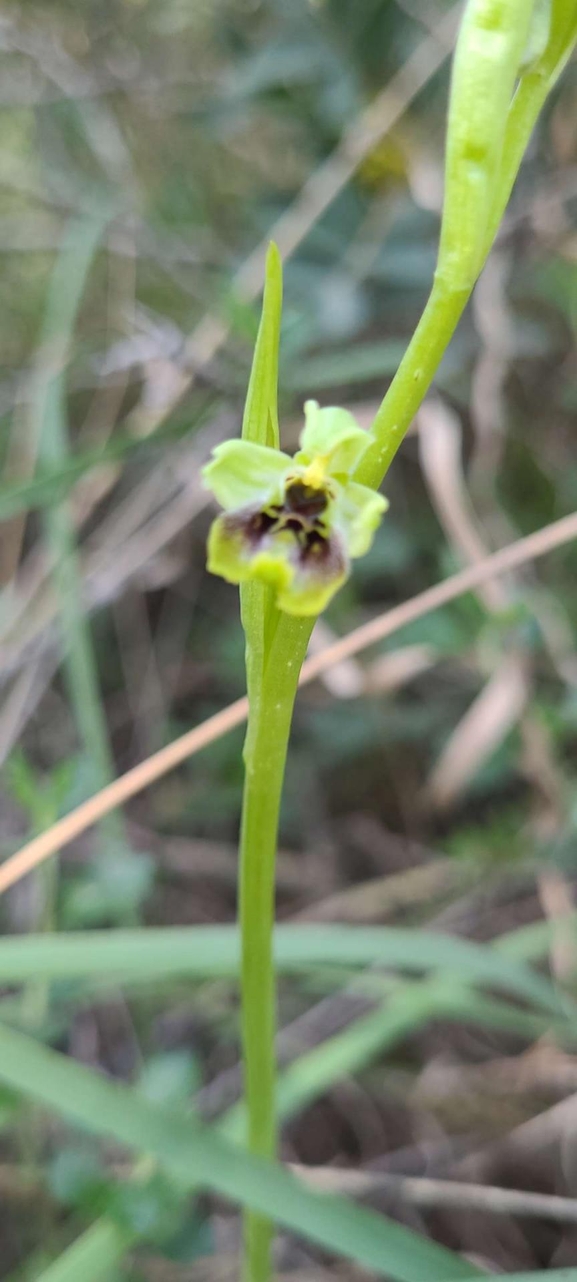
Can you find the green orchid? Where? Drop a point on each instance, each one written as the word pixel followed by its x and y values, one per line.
pixel 294 523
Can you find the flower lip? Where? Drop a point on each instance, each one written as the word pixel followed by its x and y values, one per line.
pixel 301 560
pixel 306 537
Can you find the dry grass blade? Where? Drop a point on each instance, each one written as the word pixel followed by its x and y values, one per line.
pixel 379 897
pixel 502 701
pixel 485 725
pixel 440 444
pixel 141 776
pixel 390 671
pixel 344 680
pixel 508 558
pixel 434 1193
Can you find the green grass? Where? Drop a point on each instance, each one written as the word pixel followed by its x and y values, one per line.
pixel 202 952
pixel 201 1158
pixel 49 414
pixel 213 951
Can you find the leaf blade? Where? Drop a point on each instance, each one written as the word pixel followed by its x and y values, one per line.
pixel 206 951
pixel 199 1157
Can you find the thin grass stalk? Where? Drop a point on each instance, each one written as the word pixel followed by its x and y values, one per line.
pixel 50 411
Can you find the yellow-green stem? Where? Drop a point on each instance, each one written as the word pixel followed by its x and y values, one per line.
pixel 414 376
pixel 272 699
pixel 265 757
pixel 275 656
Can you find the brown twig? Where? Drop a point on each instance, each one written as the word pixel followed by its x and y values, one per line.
pixel 149 771
pixel 424 1192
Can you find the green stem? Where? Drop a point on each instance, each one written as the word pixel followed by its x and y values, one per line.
pixel 413 378
pixel 458 271
pixel 265 756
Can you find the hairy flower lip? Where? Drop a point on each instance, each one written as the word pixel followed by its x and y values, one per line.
pixel 294 523
pixel 259 527
pixel 256 526
pixel 305 566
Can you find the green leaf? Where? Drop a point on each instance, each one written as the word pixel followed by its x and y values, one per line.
pixel 171 1077
pixel 93 1256
pixel 77 1178
pixel 149 1211
pixel 198 1156
pixel 260 421
pixel 259 613
pixel 214 951
pixel 558 1275
pixel 350 1051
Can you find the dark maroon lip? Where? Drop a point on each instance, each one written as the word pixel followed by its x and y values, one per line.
pixel 315 547
pixel 305 500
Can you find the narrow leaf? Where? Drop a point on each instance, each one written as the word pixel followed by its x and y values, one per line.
pixel 199 1157
pixel 260 421
pixel 260 424
pixel 208 951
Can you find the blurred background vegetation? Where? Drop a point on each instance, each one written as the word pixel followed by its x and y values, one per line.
pixel 148 151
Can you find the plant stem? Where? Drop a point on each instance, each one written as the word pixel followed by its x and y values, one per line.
pixel 458 267
pixel 265 756
pixel 273 665
pixel 413 378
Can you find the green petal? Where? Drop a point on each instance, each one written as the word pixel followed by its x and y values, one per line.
pixel 334 434
pixel 242 473
pixel 357 513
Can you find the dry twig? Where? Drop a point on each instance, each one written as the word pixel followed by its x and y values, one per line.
pixel 149 771
pixel 423 1192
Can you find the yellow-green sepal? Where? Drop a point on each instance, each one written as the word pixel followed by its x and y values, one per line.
pixel 333 434
pixel 241 473
pixel 358 514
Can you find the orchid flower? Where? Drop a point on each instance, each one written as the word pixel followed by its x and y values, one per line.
pixel 294 523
